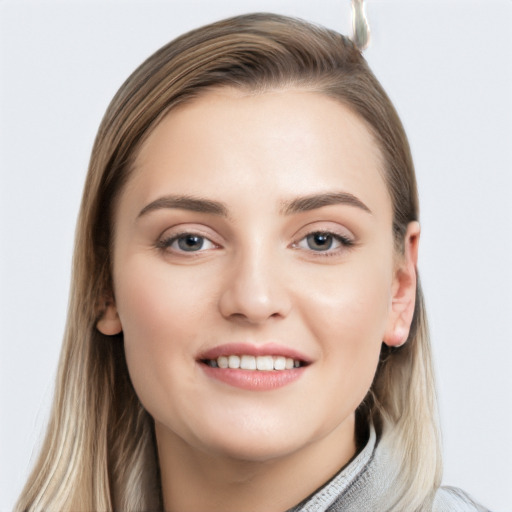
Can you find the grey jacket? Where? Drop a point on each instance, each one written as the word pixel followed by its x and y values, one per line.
pixel 358 487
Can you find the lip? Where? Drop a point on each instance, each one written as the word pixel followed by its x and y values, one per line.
pixel 253 380
pixel 268 349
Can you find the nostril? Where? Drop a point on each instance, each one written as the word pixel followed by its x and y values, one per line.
pixel 253 291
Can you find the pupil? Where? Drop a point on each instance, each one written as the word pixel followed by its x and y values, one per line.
pixel 190 243
pixel 319 241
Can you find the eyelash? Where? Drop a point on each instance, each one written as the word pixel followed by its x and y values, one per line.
pixel 166 243
pixel 344 243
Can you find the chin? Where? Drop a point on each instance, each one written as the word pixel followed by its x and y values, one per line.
pixel 257 448
pixel 258 440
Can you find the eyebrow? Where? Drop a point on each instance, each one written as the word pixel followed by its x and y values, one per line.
pixel 314 201
pixel 194 204
pixel 297 205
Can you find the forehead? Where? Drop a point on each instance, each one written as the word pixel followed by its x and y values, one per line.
pixel 295 142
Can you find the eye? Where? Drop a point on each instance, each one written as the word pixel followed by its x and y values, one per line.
pixel 187 242
pixel 323 241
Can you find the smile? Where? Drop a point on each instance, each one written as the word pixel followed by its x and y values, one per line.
pixel 254 367
pixel 264 363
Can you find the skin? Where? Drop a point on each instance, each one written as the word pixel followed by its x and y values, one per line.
pixel 256 280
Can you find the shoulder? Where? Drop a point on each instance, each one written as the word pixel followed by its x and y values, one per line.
pixel 452 499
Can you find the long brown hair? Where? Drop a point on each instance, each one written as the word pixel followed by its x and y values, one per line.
pixel 99 452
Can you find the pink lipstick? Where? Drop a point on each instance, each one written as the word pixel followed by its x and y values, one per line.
pixel 253 367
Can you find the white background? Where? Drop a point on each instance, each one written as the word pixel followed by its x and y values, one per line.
pixel 446 65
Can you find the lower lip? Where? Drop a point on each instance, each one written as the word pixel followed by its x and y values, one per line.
pixel 254 380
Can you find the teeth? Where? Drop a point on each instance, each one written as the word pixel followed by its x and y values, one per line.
pixel 261 363
pixel 248 363
pixel 265 363
pixel 280 363
pixel 233 362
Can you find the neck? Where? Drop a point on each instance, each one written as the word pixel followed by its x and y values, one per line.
pixel 195 480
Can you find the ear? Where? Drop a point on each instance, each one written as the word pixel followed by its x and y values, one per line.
pixel 404 290
pixel 109 322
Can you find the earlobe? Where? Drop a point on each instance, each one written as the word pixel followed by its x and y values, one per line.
pixel 404 290
pixel 109 322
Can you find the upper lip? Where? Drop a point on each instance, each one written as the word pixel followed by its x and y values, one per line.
pixel 267 349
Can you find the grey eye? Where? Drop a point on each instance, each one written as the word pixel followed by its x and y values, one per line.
pixel 320 241
pixel 190 243
pixel 324 242
pixel 186 243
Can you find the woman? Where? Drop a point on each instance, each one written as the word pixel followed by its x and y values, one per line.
pixel 246 328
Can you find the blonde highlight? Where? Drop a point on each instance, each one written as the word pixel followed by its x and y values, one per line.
pixel 99 452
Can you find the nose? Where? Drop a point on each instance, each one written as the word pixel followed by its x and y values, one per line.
pixel 254 291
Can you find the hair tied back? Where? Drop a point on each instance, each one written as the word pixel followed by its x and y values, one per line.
pixel 360 26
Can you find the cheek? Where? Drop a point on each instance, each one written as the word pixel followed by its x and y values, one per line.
pixel 156 304
pixel 348 317
pixel 353 303
pixel 159 312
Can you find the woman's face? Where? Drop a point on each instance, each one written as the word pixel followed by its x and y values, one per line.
pixel 255 230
